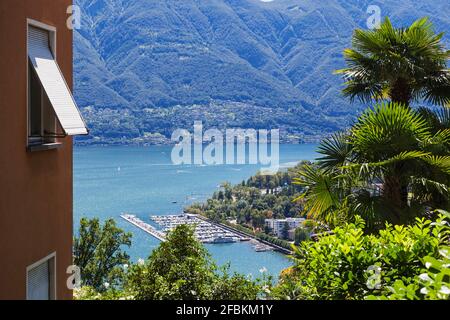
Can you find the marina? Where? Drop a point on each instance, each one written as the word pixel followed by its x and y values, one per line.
pixel 205 231
pixel 144 226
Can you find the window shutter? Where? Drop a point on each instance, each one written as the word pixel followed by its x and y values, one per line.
pixel 38 286
pixel 54 83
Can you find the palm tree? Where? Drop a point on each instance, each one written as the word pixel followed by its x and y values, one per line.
pixel 437 119
pixel 402 64
pixel 389 167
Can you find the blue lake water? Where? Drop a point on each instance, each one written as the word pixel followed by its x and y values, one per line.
pixel 109 181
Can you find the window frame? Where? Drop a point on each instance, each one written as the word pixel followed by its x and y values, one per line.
pixel 32 143
pixel 51 260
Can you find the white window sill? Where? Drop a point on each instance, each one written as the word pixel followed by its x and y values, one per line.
pixel 44 147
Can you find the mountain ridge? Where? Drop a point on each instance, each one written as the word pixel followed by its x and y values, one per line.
pixel 140 54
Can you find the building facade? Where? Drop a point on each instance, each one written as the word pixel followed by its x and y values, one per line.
pixel 37 119
pixel 277 226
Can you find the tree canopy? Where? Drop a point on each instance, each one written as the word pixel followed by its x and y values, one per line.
pixel 402 64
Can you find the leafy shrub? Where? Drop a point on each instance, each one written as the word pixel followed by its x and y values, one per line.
pixel 89 293
pixel 352 265
pixel 432 284
pixel 302 234
pixel 99 252
pixel 182 269
pixel 434 281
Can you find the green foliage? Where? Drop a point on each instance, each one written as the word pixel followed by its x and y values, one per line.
pixel 391 166
pixel 285 231
pixel 302 234
pixel 351 265
pixel 89 293
pixel 432 284
pixel 279 242
pixel 179 269
pixel 251 202
pixel 98 253
pixel 405 64
pixel 182 269
pixel 434 281
pixel 262 236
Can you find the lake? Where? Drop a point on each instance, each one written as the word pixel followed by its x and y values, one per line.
pixel 109 181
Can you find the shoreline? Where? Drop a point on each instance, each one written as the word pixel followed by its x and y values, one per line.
pixel 112 144
pixel 276 248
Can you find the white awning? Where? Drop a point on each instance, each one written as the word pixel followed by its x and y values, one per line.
pixel 53 82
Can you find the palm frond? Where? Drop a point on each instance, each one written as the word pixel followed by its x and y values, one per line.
pixel 320 195
pixel 401 157
pixel 383 58
pixel 387 128
pixel 423 188
pixel 440 162
pixel 336 151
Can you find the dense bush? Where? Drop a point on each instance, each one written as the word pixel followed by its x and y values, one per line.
pixel 434 281
pixel 179 269
pixel 432 284
pixel 98 251
pixel 351 265
pixel 279 242
pixel 253 201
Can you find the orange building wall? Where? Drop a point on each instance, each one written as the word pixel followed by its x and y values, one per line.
pixel 35 188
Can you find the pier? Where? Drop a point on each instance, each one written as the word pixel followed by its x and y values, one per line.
pixel 259 244
pixel 144 226
pixel 205 231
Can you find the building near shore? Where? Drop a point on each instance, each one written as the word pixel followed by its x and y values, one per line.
pixel 278 226
pixel 38 118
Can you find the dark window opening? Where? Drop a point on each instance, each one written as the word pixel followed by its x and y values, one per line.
pixel 43 125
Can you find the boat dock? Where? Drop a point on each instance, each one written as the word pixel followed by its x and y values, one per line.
pixel 258 244
pixel 205 231
pixel 144 226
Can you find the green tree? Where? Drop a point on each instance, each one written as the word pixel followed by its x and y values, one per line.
pixel 301 234
pixel 258 219
pixel 182 269
pixel 285 231
pixel 404 64
pixel 351 265
pixel 391 166
pixel 98 253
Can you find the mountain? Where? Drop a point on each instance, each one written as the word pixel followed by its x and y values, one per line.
pixel 140 60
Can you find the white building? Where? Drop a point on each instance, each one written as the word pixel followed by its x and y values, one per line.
pixel 277 225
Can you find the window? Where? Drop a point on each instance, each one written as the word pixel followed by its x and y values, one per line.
pixel 41 280
pixel 43 124
pixel 52 111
